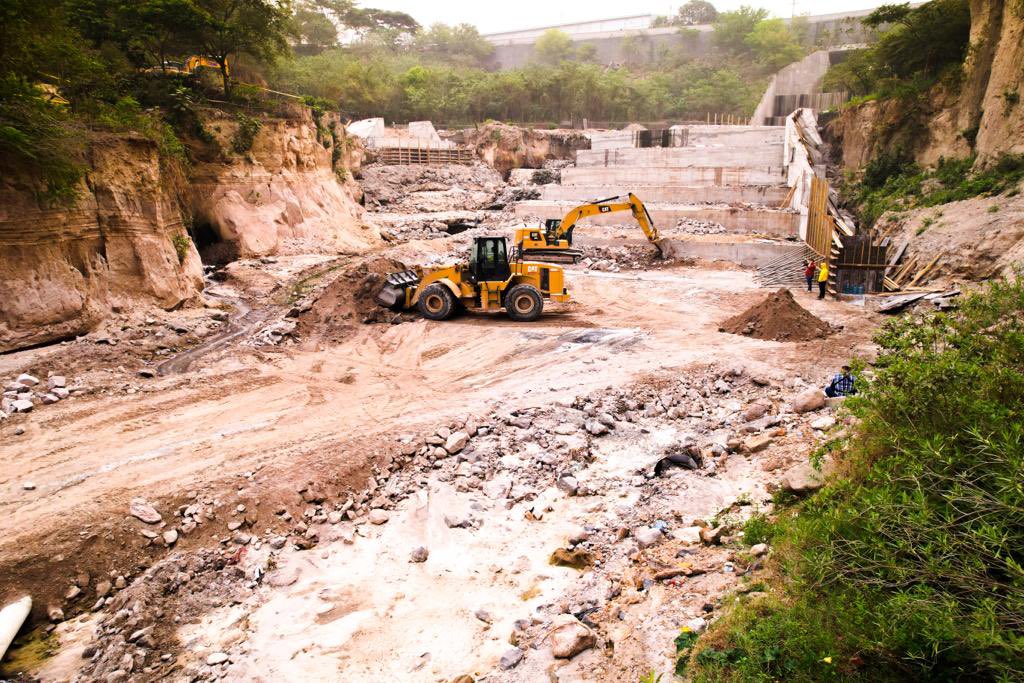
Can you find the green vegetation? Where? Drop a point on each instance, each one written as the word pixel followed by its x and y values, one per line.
pixel 891 182
pixel 181 243
pixel 911 565
pixel 446 74
pixel 248 127
pixel 921 46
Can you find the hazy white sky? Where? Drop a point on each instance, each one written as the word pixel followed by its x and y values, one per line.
pixel 505 15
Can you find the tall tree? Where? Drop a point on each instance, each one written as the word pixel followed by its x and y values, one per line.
pixel 732 28
pixel 553 47
pixel 230 27
pixel 696 12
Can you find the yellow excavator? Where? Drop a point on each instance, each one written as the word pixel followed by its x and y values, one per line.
pixel 518 279
pixel 553 244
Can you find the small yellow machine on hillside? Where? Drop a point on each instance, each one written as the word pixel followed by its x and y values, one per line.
pixel 497 277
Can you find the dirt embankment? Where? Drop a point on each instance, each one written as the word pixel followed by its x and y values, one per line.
pixel 281 196
pixel 987 101
pixel 778 318
pixel 64 267
pixel 505 147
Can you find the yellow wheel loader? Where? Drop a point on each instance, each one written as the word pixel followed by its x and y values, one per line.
pixel 493 279
pixel 497 278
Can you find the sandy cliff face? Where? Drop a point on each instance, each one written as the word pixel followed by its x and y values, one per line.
pixel 506 147
pixel 63 268
pixel 280 196
pixel 988 101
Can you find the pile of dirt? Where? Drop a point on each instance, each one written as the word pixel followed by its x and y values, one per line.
pixel 347 302
pixel 778 318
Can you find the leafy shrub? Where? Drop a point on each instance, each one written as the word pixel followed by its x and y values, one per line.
pixel 912 566
pixel 248 127
pixel 181 244
pixel 890 184
pixel 39 136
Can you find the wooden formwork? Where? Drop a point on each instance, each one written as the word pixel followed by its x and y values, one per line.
pixel 425 155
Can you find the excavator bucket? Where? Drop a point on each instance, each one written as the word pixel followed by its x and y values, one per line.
pixel 392 294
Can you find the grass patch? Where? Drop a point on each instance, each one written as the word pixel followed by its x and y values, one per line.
pixel 910 567
pixel 891 182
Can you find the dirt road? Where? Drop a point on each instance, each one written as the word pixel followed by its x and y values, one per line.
pixel 252 428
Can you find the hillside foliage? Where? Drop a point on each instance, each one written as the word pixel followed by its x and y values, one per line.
pixel 910 566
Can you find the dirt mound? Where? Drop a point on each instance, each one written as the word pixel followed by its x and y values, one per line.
pixel 778 318
pixel 347 302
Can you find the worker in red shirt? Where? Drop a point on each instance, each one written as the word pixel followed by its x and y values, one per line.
pixel 809 274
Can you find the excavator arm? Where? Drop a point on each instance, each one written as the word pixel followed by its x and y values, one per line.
pixel 629 203
pixel 554 243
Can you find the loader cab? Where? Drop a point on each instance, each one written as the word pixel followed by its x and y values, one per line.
pixel 488 260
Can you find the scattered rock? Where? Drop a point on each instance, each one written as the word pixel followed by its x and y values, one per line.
pixel 510 659
pixel 147 373
pixel 29 486
pixel 568 485
pixel 170 537
pixel 823 423
pixel 577 558
pixel 759 549
pixel 755 444
pixel 457 522
pixel 803 478
pixel 646 536
pixel 419 554
pixel 569 637
pixel 809 400
pixel 456 442
pixel 709 536
pixel 754 411
pixel 378 516
pixel 143 511
pixel 27 380
pixel 103 589
pixel 216 658
pixel 54 613
pixel 484 616
pixel 22 405
pixel 283 577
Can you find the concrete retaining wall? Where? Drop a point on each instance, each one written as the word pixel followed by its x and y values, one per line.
pixel 628 176
pixel 750 254
pixel 762 222
pixel 753 156
pixel 726 194
pixel 697 136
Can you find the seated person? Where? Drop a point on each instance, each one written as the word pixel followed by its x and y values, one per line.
pixel 842 384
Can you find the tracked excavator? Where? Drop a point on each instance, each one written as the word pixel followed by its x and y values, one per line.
pixel 518 279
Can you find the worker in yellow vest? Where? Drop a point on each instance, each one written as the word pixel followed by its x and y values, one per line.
pixel 823 279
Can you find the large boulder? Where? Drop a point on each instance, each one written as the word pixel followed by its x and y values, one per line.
pixel 569 637
pixel 810 400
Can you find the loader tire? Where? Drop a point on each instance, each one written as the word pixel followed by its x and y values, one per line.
pixel 524 303
pixel 436 303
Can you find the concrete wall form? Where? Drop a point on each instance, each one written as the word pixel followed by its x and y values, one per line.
pixel 771 195
pixel 755 156
pixel 764 222
pixel 660 175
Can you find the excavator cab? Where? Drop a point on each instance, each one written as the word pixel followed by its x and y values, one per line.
pixel 488 260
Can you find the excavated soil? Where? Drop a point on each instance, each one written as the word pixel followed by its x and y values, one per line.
pixel 347 302
pixel 778 318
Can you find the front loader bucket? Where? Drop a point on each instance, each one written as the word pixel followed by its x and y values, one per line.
pixel 392 294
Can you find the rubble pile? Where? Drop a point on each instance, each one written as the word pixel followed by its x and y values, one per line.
pixel 614 259
pixel 25 392
pixel 429 188
pixel 692 226
pixel 515 458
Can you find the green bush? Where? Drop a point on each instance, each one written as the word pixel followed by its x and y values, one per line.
pixel 891 182
pixel 911 566
pixel 248 127
pixel 181 242
pixel 40 137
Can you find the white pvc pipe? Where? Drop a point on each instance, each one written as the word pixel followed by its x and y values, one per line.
pixel 11 618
